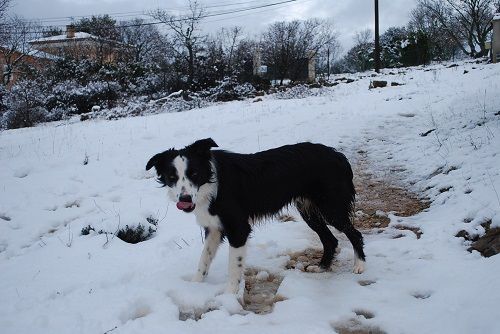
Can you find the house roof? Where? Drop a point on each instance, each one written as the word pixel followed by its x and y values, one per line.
pixel 32 53
pixel 43 55
pixel 79 36
pixel 61 38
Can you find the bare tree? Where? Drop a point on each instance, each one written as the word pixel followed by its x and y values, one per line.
pixel 186 36
pixel 467 22
pixel 146 40
pixel 364 37
pixel 230 39
pixel 4 4
pixel 441 45
pixel 15 47
pixel 286 44
pixel 360 57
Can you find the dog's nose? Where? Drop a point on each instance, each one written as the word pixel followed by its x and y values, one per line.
pixel 185 198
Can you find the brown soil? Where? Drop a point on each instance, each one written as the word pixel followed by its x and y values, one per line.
pixel 260 291
pixel 376 197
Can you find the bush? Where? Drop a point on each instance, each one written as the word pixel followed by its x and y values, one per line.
pixel 25 105
pixel 80 99
pixel 134 235
pixel 131 235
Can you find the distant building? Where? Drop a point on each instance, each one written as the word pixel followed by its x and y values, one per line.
pixel 495 40
pixel 13 63
pixel 80 45
pixel 304 70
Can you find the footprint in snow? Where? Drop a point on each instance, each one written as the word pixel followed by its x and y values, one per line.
pixel 4 216
pixel 364 313
pixel 356 326
pixel 366 282
pixel 22 172
pixel 421 294
pixel 138 309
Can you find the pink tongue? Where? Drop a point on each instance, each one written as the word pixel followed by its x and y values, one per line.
pixel 184 205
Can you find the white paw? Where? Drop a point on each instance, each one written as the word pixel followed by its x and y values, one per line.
pixel 315 269
pixel 359 267
pixel 198 277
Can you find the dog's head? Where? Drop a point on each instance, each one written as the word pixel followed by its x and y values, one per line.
pixel 185 171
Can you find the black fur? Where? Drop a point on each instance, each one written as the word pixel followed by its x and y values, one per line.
pixel 316 178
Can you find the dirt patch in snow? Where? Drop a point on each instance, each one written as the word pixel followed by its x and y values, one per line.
pixel 306 260
pixel 376 197
pixel 261 289
pixel 356 326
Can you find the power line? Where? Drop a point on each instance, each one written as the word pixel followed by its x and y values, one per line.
pixel 208 15
pixel 257 12
pixel 143 12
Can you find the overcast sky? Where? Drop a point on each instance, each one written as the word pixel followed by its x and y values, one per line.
pixel 349 16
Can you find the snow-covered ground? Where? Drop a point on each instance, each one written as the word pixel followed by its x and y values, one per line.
pixel 53 280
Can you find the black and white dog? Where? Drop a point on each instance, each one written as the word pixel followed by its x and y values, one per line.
pixel 229 191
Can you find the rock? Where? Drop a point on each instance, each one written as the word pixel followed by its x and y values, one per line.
pixel 315 85
pixel 302 258
pixel 257 100
pixel 350 80
pixel 378 84
pixel 489 244
pixel 393 84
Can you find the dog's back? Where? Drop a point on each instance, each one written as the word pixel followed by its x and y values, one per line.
pixel 269 180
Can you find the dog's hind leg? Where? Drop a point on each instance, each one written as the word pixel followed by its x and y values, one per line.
pixel 356 240
pixel 340 219
pixel 213 239
pixel 312 216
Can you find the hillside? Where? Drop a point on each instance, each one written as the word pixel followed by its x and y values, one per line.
pixel 436 135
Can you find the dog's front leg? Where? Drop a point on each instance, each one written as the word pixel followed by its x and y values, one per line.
pixel 212 242
pixel 236 267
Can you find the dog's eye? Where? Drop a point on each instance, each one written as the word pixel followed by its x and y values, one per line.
pixel 172 177
pixel 191 174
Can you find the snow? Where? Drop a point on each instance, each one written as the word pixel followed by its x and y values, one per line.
pixel 496 17
pixel 64 37
pixel 54 279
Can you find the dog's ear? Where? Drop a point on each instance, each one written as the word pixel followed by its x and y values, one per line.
pixel 202 145
pixel 153 161
pixel 156 159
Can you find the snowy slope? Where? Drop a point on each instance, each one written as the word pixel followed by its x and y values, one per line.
pixel 53 280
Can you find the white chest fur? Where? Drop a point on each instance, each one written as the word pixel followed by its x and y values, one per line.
pixel 203 217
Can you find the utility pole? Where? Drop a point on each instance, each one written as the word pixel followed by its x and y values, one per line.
pixel 377 40
pixel 328 63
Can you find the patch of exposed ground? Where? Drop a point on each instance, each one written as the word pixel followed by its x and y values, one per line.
pixel 356 326
pixel 488 244
pixel 306 260
pixel 261 289
pixel 259 296
pixel 377 197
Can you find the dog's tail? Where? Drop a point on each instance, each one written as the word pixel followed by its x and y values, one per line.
pixel 348 183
